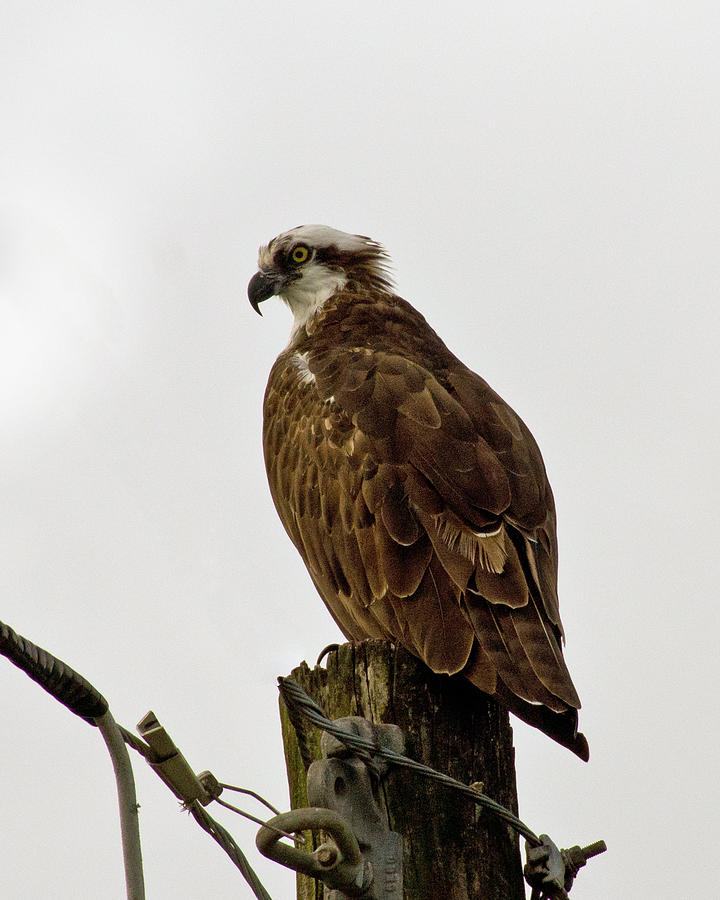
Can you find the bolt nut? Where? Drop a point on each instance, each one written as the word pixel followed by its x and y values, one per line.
pixel 326 855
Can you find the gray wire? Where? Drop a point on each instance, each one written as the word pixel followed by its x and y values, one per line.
pixel 137 744
pixel 207 823
pixel 258 797
pixel 258 821
pixel 296 699
pixel 127 804
pixel 227 842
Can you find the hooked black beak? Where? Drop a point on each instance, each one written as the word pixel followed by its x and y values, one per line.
pixel 261 287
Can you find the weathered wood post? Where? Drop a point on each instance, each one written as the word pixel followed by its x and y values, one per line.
pixel 451 850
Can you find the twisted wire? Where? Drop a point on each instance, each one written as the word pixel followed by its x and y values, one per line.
pixel 296 698
pixel 299 723
pixel 227 842
pixel 52 674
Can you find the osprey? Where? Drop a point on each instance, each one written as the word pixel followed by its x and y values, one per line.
pixel 416 497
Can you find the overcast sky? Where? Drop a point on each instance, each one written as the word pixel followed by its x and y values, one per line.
pixel 545 179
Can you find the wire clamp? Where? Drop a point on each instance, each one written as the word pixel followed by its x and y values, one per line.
pixel 550 872
pixel 173 768
pixel 361 856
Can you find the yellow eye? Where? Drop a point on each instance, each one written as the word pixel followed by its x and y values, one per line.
pixel 299 254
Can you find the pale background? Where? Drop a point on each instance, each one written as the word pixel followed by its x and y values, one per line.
pixel 545 178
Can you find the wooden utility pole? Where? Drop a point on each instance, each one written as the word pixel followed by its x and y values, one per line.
pixel 451 849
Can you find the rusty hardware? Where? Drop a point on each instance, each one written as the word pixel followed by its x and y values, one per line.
pixel 360 857
pixel 337 862
pixel 550 872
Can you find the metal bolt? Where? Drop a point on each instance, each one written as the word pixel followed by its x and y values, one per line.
pixel 594 849
pixel 326 855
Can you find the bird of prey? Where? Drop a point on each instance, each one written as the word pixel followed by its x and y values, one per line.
pixel 416 496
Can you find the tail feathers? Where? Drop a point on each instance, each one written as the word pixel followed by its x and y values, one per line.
pixel 561 727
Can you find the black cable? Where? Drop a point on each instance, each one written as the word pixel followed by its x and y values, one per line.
pixel 52 674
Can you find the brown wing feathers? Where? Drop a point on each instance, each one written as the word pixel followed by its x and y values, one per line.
pixel 420 505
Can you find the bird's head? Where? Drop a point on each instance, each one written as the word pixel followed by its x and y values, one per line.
pixel 307 265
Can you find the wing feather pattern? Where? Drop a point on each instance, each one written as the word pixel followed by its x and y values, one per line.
pixel 419 502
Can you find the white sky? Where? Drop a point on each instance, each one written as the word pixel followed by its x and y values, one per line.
pixel 545 178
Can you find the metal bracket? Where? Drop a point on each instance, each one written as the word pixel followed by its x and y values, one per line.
pixel 362 857
pixel 337 862
pixel 550 872
pixel 348 784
